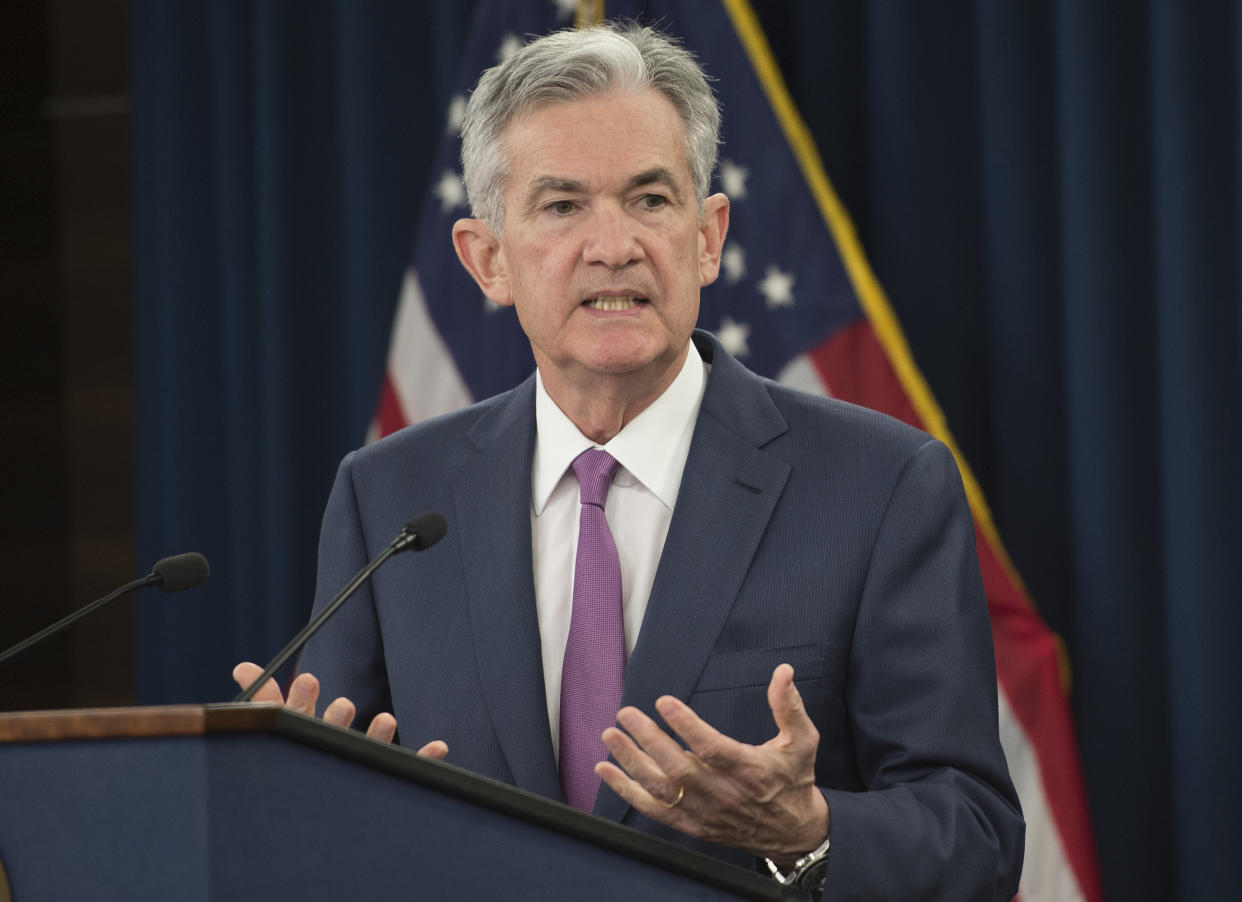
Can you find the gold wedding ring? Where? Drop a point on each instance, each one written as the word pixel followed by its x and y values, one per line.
pixel 681 794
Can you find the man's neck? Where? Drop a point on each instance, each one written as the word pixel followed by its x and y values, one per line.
pixel 602 405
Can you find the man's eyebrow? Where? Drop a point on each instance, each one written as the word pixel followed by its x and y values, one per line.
pixel 550 184
pixel 553 184
pixel 657 176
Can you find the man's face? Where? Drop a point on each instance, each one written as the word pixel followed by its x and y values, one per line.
pixel 603 251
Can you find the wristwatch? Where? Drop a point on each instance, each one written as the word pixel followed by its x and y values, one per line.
pixel 808 874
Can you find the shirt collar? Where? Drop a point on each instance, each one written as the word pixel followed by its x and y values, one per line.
pixel 652 448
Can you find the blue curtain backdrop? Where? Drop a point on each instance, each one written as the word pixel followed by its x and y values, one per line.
pixel 1049 192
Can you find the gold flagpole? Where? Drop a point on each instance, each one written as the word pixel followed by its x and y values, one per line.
pixel 590 12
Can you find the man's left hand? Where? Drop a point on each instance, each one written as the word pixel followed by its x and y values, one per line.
pixel 761 798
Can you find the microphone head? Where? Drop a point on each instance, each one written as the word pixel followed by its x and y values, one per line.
pixel 181 571
pixel 425 530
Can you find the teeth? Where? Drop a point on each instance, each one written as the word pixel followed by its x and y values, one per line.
pixel 611 304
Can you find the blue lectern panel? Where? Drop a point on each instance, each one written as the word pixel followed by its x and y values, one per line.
pixel 235 816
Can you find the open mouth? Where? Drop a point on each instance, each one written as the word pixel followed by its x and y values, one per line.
pixel 613 304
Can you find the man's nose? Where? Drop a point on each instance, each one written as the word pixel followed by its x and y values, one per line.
pixel 612 239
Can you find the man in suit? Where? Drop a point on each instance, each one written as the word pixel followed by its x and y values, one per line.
pixel 798 599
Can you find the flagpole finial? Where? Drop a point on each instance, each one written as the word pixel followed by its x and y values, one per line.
pixel 590 12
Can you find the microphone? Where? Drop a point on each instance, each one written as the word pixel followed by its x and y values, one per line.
pixel 181 571
pixel 420 533
pixel 172 574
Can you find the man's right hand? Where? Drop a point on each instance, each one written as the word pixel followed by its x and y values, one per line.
pixel 304 693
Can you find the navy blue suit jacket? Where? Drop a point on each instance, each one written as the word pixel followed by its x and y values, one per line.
pixel 806 530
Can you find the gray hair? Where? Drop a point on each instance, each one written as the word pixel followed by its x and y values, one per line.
pixel 570 65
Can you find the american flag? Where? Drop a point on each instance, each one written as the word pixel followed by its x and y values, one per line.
pixel 796 301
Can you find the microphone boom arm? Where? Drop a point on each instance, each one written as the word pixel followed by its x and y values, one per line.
pixel 172 574
pixel 421 532
pixel 149 579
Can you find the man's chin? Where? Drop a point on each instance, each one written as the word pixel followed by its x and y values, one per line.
pixel 638 361
pixel 621 355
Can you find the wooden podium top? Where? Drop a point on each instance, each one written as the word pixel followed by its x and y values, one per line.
pixel 104 723
pixel 107 723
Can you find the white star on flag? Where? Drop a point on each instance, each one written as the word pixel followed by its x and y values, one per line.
pixel 509 45
pixel 450 191
pixel 777 287
pixel 456 112
pixel 733 260
pixel 565 8
pixel 732 336
pixel 733 179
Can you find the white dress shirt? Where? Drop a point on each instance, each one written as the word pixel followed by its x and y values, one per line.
pixel 652 450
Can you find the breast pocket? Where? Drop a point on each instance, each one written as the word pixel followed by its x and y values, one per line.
pixel 732 696
pixel 754 666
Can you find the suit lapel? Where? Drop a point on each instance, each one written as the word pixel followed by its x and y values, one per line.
pixel 728 492
pixel 496 557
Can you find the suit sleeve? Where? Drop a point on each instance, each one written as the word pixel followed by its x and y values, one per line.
pixel 347 654
pixel 939 818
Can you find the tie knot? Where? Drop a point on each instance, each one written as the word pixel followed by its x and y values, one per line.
pixel 594 469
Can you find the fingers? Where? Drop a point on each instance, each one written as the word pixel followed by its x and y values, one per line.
pixel 247 672
pixel 795 725
pixel 649 768
pixel 383 727
pixel 303 693
pixel 643 800
pixel 656 777
pixel 658 749
pixel 340 713
pixel 710 745
pixel 658 762
pixel 436 749
pixel 759 797
pixel 653 772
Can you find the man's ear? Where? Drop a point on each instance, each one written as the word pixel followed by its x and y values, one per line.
pixel 480 253
pixel 713 227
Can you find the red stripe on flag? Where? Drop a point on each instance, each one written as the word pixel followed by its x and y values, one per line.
pixel 855 368
pixel 388 414
pixel 1028 667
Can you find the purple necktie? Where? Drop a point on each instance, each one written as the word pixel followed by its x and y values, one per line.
pixel 595 654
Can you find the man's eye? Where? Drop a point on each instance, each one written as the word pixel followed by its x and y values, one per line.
pixel 561 207
pixel 653 201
